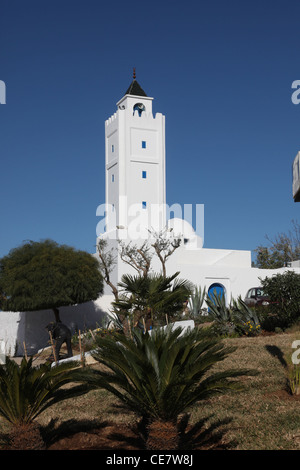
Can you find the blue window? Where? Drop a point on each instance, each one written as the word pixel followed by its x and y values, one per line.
pixel 112 178
pixel 143 144
pixel 112 148
pixel 144 204
pixel 144 174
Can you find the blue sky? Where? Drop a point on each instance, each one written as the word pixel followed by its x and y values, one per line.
pixel 220 71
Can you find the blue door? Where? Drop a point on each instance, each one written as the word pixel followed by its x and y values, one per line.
pixel 217 289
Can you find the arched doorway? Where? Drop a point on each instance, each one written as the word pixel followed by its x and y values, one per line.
pixel 217 289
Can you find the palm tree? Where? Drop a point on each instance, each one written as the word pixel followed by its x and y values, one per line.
pixel 151 296
pixel 26 391
pixel 161 374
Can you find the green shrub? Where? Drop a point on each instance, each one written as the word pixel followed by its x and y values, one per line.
pixel 269 321
pixel 237 319
pixel 245 318
pixel 284 292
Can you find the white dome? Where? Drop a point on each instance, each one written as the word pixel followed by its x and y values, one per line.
pixel 181 228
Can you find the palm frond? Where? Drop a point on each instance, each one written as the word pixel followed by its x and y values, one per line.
pixel 161 374
pixel 26 391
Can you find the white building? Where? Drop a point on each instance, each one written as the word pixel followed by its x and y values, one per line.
pixel 135 201
pixel 135 176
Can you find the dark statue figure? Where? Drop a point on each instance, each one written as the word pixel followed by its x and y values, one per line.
pixel 60 334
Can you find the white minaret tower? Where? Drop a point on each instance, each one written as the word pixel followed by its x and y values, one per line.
pixel 135 166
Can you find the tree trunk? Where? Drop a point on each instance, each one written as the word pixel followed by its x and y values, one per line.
pixel 56 314
pixel 162 435
pixel 114 290
pixel 26 437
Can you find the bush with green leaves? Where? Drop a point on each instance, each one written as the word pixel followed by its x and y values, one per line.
pixel 284 293
pixel 235 319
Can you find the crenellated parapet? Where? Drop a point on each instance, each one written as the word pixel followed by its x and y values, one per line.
pixel 111 119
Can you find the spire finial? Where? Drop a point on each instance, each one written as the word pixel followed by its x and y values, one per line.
pixel 134 75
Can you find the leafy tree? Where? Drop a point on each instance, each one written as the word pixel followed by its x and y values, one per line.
pixel 163 374
pixel 152 296
pixel 284 292
pixel 45 275
pixel 26 391
pixel 264 259
pixel 283 249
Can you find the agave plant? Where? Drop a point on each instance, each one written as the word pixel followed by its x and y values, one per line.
pixel 196 301
pixel 221 313
pixel 217 307
pixel 26 391
pixel 246 318
pixel 161 375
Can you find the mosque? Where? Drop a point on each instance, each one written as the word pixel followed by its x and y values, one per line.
pixel 135 202
pixel 135 169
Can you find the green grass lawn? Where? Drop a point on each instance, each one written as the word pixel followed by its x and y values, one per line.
pixel 265 416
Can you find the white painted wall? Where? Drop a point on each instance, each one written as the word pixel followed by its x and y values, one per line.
pixel 29 327
pixel 204 267
pixel 9 325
